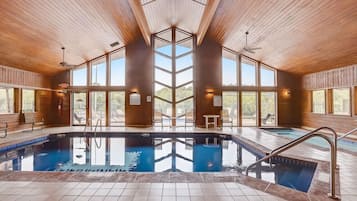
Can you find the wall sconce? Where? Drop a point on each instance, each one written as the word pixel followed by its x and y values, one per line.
pixel 286 93
pixel 209 93
pixel 134 98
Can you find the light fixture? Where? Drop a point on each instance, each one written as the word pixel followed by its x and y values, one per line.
pixel 63 85
pixel 134 98
pixel 286 93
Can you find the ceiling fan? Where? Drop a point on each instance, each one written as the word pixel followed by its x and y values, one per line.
pixel 248 48
pixel 63 63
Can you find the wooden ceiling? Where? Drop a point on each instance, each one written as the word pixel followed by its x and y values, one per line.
pixel 299 36
pixel 185 14
pixel 32 32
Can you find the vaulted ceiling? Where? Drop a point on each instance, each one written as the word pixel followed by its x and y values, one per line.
pixel 32 32
pixel 298 36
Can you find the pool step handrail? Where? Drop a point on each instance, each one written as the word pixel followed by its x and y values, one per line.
pixel 333 150
pixel 347 134
pixel 95 133
pixel 5 130
pixel 334 134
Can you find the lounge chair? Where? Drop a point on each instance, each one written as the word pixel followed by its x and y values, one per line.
pixel 225 118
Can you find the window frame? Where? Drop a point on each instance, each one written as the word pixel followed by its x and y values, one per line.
pixel 237 67
pixel 7 99
pixel 22 100
pixel 256 66
pixel 96 62
pixel 263 65
pixel 350 101
pixel 109 70
pixel 312 102
pixel 82 66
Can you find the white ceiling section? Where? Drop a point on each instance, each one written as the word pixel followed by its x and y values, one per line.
pixel 185 14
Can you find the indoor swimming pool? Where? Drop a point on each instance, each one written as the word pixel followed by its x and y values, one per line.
pixel 149 152
pixel 344 144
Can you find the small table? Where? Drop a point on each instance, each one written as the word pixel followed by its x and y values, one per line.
pixel 214 117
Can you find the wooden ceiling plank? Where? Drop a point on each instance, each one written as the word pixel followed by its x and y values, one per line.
pixel 140 17
pixel 206 19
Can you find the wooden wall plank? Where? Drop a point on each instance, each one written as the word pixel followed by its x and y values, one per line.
pixel 336 78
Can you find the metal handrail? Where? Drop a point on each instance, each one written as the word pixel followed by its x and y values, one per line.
pixel 347 134
pixel 95 133
pixel 333 159
pixel 5 130
pixel 307 134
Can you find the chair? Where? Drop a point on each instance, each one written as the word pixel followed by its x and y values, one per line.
pixel 158 118
pixel 225 118
pixel 78 118
pixel 189 118
pixel 269 116
pixel 29 118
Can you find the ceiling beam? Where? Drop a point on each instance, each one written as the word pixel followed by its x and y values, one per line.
pixel 207 17
pixel 140 17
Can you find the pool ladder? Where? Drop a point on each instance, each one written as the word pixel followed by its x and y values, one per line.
pixel 5 130
pixel 333 154
pixel 89 122
pixel 347 134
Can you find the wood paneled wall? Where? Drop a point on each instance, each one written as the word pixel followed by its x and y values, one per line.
pixel 289 96
pixel 341 77
pixel 60 116
pixel 17 79
pixel 208 77
pixel 139 78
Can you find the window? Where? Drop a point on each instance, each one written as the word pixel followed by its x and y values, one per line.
pixel 28 100
pixel 79 108
pixel 98 100
pixel 117 151
pixel 117 68
pixel 79 76
pixel 99 72
pixel 248 72
pixel 341 101
pixel 6 100
pixel 173 75
pixel 230 105
pixel 267 76
pixel 79 150
pixel 117 108
pixel 229 68
pixel 249 108
pixel 268 108
pixel 318 101
pixel 98 150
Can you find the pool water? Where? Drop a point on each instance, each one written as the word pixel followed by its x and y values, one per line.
pixel 347 145
pixel 150 153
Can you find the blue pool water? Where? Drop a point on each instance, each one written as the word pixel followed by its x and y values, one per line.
pixel 347 145
pixel 149 153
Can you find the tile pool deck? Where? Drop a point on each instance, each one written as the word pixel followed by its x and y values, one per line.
pixel 175 186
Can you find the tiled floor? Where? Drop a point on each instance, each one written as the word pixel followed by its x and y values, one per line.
pixel 38 191
pixel 170 191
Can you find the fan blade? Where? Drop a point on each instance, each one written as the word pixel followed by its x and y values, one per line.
pixel 66 65
pixel 255 48
pixel 248 50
